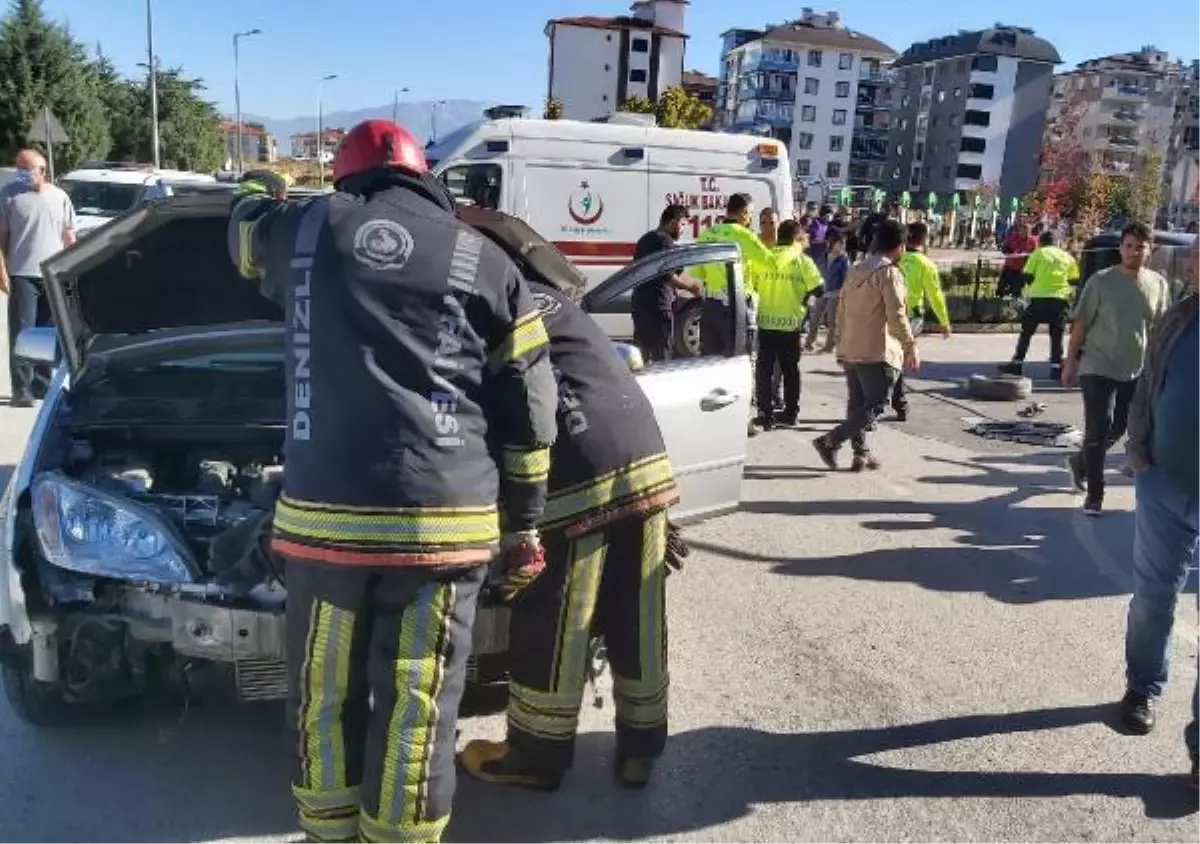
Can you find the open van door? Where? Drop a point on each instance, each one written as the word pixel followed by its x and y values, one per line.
pixel 702 404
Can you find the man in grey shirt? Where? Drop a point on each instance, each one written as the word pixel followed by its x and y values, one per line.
pixel 37 220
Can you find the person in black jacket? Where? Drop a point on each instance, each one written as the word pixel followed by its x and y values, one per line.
pixel 413 345
pixel 606 538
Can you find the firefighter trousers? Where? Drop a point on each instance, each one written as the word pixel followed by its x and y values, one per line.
pixel 376 663
pixel 612 583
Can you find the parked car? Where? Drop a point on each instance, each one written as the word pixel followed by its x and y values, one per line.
pixel 157 455
pixel 103 192
pixel 1169 257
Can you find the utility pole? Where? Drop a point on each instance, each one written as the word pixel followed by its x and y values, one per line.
pixel 153 70
pixel 237 96
pixel 396 104
pixel 433 119
pixel 321 129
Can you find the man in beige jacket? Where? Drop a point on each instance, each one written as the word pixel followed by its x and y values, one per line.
pixel 874 342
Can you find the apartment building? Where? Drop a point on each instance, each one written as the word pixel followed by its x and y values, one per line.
pixel 596 63
pixel 1181 176
pixel 304 144
pixel 258 145
pixel 818 86
pixel 969 109
pixel 1121 108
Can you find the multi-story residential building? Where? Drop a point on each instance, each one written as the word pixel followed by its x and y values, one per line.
pixel 258 145
pixel 817 86
pixel 304 144
pixel 1183 152
pixel 596 63
pixel 704 88
pixel 1119 108
pixel 969 110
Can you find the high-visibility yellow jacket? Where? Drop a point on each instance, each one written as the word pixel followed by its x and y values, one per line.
pixel 924 285
pixel 756 258
pixel 784 287
pixel 1053 270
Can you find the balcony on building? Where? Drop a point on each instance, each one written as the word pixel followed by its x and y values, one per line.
pixel 1124 115
pixel 868 130
pixel 1122 141
pixel 766 92
pixel 782 61
pixel 772 113
pixel 868 149
pixel 872 99
pixel 868 75
pixel 1126 93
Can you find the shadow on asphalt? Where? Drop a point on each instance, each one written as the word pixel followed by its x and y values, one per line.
pixel 717 774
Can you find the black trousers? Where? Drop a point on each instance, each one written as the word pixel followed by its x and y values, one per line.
pixel 609 583
pixel 377 664
pixel 27 308
pixel 1051 313
pixel 782 349
pixel 716 329
pixel 867 388
pixel 1106 416
pixel 653 334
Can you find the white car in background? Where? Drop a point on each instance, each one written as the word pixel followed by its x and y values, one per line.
pixel 102 193
pixel 153 465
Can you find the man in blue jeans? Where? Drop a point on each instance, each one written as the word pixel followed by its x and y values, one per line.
pixel 1164 453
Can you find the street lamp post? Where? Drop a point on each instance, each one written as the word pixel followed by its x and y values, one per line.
pixel 237 94
pixel 396 104
pixel 321 130
pixel 153 70
pixel 433 119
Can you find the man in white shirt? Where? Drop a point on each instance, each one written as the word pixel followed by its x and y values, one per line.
pixel 37 220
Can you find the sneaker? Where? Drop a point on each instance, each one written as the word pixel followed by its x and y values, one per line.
pixel 864 462
pixel 826 452
pixel 1012 368
pixel 765 422
pixel 1137 712
pixel 786 420
pixel 21 401
pixel 1092 507
pixel 496 763
pixel 633 771
pixel 1075 467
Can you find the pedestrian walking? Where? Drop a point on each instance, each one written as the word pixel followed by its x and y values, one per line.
pixel 1117 309
pixel 1018 245
pixel 837 265
pixel 423 396
pixel 37 220
pixel 1164 454
pixel 924 287
pixel 653 303
pixel 1052 270
pixel 783 293
pixel 875 342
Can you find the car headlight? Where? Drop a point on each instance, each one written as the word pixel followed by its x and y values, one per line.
pixel 85 530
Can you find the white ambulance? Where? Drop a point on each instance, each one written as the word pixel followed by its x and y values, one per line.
pixel 593 189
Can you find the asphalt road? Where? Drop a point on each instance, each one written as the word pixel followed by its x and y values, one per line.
pixel 926 653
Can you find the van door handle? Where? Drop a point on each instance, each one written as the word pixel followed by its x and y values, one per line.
pixel 717 399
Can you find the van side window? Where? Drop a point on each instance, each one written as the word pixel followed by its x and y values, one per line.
pixel 475 184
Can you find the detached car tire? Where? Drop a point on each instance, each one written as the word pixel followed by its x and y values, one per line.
pixel 999 387
pixel 687 330
pixel 37 704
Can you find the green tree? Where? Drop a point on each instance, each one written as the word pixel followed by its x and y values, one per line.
pixel 1147 188
pixel 189 127
pixel 637 104
pixel 42 65
pixel 1120 199
pixel 554 109
pixel 677 109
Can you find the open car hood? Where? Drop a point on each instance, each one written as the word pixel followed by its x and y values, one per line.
pixel 166 265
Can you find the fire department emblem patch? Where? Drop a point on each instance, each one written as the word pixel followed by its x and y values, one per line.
pixel 382 245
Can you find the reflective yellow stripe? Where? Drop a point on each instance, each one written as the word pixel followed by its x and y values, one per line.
pixel 326 803
pixel 246 266
pixel 528 333
pixel 327 672
pixel 344 828
pixel 527 464
pixel 575 626
pixel 545 715
pixel 638 479
pixel 417 526
pixel 419 673
pixel 641 703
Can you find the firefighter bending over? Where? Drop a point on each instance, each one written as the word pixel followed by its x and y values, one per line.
pixel 411 339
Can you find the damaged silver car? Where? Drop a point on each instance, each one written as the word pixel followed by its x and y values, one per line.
pixel 134 534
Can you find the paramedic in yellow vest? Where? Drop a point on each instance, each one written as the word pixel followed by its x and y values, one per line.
pixel 1052 270
pixel 716 323
pixel 783 291
pixel 924 286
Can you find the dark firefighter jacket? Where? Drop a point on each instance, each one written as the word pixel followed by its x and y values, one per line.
pixel 412 341
pixel 609 460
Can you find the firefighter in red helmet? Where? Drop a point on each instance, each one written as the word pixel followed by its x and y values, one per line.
pixel 411 342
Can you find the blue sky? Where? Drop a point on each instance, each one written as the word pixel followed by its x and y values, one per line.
pixel 496 49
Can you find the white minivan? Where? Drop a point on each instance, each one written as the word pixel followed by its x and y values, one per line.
pixel 593 189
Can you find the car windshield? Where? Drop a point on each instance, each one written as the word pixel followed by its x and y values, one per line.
pixel 100 199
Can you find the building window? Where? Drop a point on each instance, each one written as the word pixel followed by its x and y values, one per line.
pixel 974 144
pixel 637 75
pixel 933 121
pixel 804 140
pixel 928 78
pixel 814 58
pixel 946 172
pixel 833 169
pixel 895 172
pixel 919 152
pixel 837 143
pixel 941 96
pixel 925 100
pixel 842 89
pixel 808 114
pixel 905 101
pixel 639 45
pixel 803 167
pixel 811 85
pixel 970 171
pixel 982 92
pixel 903 124
pixel 977 118
pixel 845 61
pixel 839 117
pixel 933 149
pixel 985 63
pixel 900 150
pixel 957 93
pixel 915 177
pixel 480 183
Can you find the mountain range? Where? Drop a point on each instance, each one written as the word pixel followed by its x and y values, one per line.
pixel 417 116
